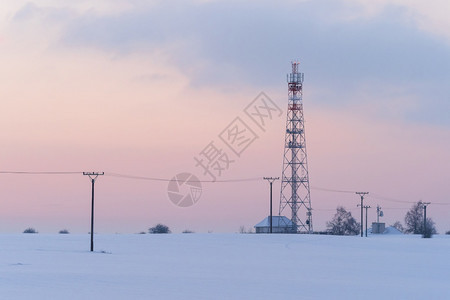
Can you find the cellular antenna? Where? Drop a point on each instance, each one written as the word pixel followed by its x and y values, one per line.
pixel 295 191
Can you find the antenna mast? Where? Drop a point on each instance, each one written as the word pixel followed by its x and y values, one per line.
pixel 295 192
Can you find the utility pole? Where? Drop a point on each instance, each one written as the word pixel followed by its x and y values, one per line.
pixel 271 180
pixel 366 207
pixel 425 204
pixel 379 213
pixel 362 194
pixel 93 176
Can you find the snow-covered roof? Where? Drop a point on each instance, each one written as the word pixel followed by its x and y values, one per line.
pixel 277 221
pixel 388 230
pixel 392 230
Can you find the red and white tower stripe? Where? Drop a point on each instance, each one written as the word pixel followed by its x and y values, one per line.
pixel 295 191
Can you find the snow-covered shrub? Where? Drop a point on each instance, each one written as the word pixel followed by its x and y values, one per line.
pixel 30 230
pixel 159 228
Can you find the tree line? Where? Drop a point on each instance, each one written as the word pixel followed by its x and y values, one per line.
pixel 343 223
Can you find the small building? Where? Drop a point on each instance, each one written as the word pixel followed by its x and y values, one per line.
pixel 378 228
pixel 280 224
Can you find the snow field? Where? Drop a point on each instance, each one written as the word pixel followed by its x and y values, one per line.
pixel 224 266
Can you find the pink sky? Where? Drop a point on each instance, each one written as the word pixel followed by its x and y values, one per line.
pixel 66 108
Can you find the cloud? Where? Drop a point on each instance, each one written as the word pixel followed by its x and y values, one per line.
pixel 431 17
pixel 28 11
pixel 351 51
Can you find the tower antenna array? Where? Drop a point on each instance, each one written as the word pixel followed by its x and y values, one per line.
pixel 295 191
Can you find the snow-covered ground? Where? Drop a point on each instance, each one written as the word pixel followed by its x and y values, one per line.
pixel 224 266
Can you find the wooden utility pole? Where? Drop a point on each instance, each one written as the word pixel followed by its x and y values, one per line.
pixel 92 176
pixel 362 194
pixel 366 207
pixel 425 204
pixel 271 180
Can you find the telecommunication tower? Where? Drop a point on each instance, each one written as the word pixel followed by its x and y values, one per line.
pixel 295 192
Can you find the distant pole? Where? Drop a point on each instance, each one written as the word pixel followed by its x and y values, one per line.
pixel 425 204
pixel 366 207
pixel 271 180
pixel 93 176
pixel 361 194
pixel 378 213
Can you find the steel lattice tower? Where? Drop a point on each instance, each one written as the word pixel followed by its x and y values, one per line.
pixel 295 193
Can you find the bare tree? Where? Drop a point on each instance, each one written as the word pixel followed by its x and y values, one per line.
pixel 398 226
pixel 414 221
pixel 343 223
pixel 430 230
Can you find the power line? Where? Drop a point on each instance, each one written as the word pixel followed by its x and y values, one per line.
pixel 39 172
pixel 325 209
pixel 167 179
pixel 380 197
pixel 112 174
pixel 332 190
pixel 440 203
pixel 393 208
pixel 127 176
pixel 136 177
